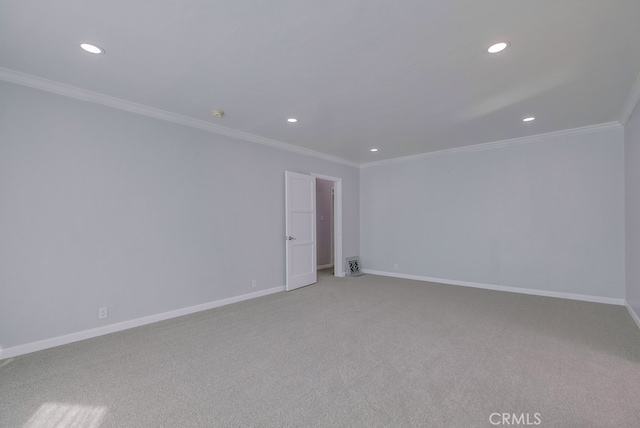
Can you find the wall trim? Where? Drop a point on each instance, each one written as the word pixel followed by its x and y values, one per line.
pixel 324 266
pixel 69 91
pixel 631 102
pixel 24 79
pixel 534 292
pixel 633 313
pixel 602 127
pixel 125 325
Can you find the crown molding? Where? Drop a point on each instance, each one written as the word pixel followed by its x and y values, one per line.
pixel 631 103
pixel 35 82
pixel 31 81
pixel 502 143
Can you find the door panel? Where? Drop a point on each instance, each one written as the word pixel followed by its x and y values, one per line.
pixel 301 225
pixel 300 207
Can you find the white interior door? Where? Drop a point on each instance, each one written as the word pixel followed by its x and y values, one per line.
pixel 300 207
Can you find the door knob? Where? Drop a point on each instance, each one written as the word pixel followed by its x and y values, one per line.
pixel 290 238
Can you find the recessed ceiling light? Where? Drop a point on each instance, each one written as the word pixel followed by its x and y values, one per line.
pixel 292 120
pixel 92 48
pixel 528 119
pixel 498 47
pixel 374 150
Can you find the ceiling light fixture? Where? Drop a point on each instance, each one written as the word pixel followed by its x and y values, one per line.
pixel 292 120
pixel 374 150
pixel 498 47
pixel 92 48
pixel 528 119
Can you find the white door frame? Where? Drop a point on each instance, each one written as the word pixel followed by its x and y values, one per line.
pixel 338 263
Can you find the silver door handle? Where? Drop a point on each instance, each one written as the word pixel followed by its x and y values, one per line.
pixel 290 238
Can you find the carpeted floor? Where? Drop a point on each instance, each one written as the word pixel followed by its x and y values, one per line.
pixel 348 352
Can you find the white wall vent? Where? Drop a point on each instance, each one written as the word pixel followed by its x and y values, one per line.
pixel 352 266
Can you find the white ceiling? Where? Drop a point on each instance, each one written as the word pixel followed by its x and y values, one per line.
pixel 405 76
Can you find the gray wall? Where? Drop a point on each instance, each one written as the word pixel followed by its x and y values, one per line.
pixel 632 193
pixel 323 221
pixel 547 215
pixel 99 207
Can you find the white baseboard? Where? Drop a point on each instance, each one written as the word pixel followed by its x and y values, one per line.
pixel 633 313
pixel 571 296
pixel 124 325
pixel 324 266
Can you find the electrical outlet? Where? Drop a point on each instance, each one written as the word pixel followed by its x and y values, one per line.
pixel 103 313
pixel 253 283
pixel 395 266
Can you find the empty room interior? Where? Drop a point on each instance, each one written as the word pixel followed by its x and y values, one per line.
pixel 342 213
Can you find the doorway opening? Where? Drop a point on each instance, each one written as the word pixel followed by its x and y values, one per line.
pixel 329 223
pixel 324 224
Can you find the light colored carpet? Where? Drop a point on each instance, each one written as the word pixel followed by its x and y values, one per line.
pixel 347 352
